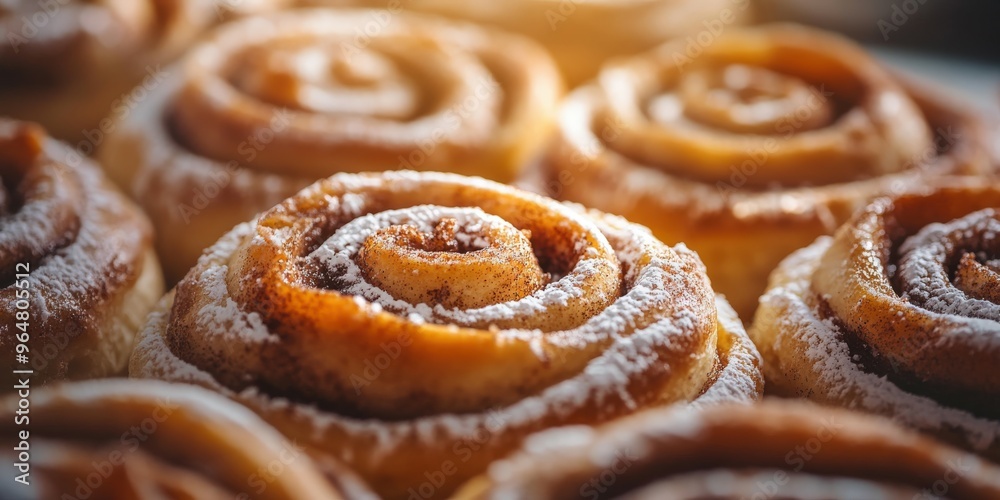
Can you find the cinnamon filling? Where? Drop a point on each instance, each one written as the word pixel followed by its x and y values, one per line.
pixel 945 269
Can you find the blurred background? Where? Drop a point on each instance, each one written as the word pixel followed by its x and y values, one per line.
pixel 955 43
pixel 85 54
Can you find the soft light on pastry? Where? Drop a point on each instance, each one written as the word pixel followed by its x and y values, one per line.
pixel 897 315
pixel 753 146
pixel 418 325
pixel 148 440
pixel 268 105
pixel 772 450
pixel 584 34
pixel 71 65
pixel 77 269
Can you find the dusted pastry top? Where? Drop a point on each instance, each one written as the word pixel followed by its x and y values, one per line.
pixel 426 310
pixel 896 314
pixel 326 251
pixel 75 262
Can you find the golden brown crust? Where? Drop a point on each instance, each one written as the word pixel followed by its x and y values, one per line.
pixel 247 119
pixel 772 450
pixel 767 138
pixel 284 315
pixel 121 439
pixel 896 315
pixel 77 268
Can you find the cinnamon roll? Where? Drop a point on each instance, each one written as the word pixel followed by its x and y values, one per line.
pixel 269 105
pixel 582 36
pixel 146 440
pixel 751 146
pixel 77 270
pixel 773 450
pixel 896 315
pixel 418 325
pixel 69 64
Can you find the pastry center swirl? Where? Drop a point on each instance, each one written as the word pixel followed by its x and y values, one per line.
pixel 319 77
pixel 951 268
pixel 779 106
pixel 747 100
pixel 456 258
pixel 914 281
pixel 320 102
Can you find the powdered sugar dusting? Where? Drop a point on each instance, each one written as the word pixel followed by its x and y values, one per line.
pixel 338 255
pixel 927 280
pixel 658 325
pixel 740 378
pixel 840 380
pixel 604 379
pixel 86 248
pixel 222 316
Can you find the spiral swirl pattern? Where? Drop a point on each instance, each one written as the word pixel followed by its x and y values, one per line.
pixel 773 134
pixel 772 450
pixel 119 440
pixel 270 104
pixel 365 104
pixel 76 267
pixel 417 323
pixel 901 306
pixel 845 121
pixel 85 56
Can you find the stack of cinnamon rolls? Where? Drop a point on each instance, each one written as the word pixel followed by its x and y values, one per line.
pixel 439 249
